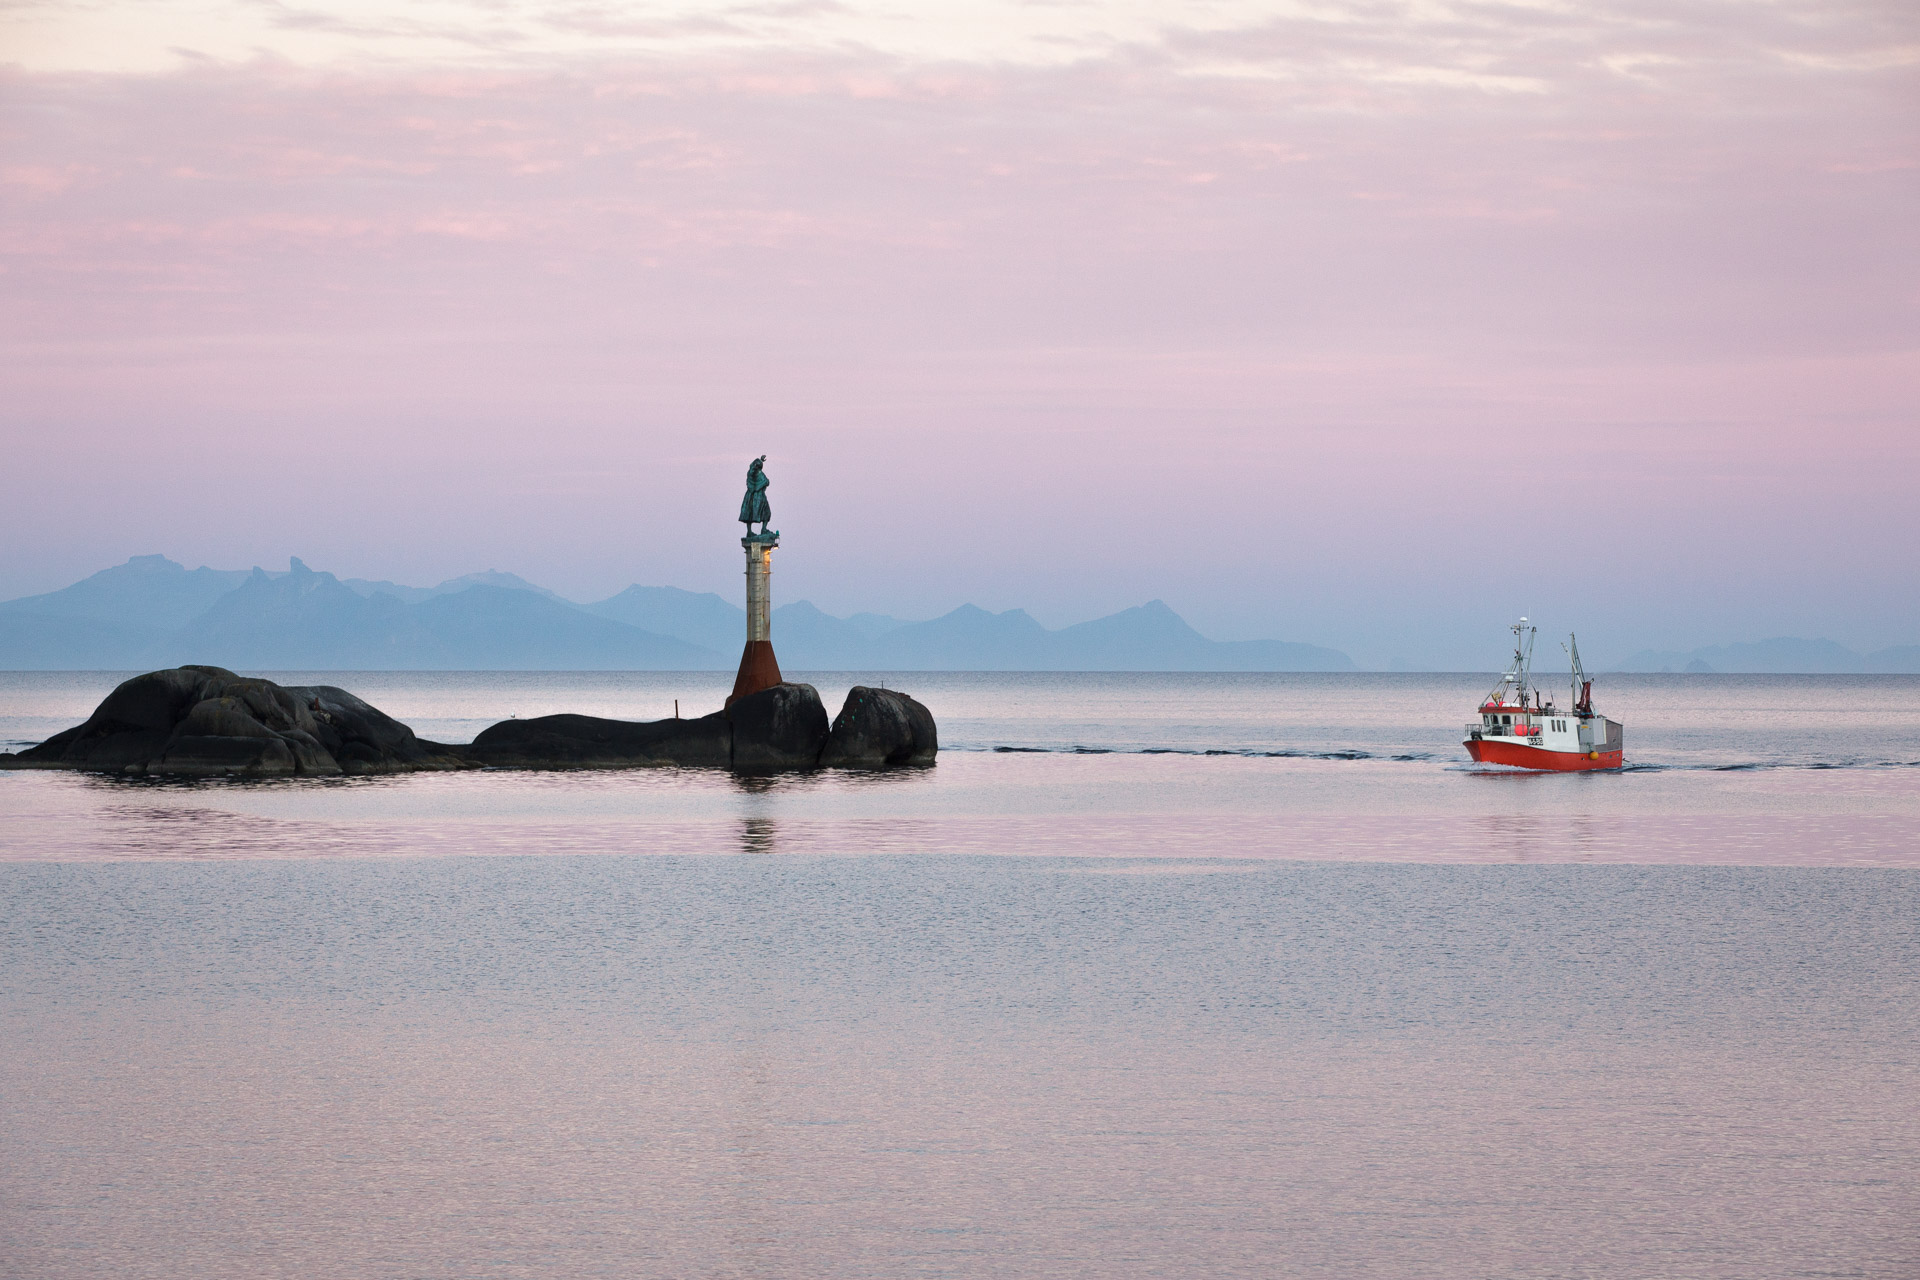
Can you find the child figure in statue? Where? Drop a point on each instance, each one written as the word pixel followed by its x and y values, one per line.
pixel 754 506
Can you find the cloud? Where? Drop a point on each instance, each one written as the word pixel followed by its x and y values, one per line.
pixel 1648 159
pixel 615 20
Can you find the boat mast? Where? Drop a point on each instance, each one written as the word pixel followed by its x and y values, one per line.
pixel 1524 661
pixel 1520 671
pixel 1582 687
pixel 1579 672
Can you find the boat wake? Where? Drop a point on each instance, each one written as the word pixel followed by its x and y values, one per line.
pixel 1448 760
pixel 1761 766
pixel 1249 753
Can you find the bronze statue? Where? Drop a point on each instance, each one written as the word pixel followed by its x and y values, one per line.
pixel 754 506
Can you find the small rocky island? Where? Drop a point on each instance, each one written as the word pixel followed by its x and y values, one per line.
pixel 202 721
pixel 207 721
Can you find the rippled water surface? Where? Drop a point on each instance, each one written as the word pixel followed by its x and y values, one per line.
pixel 1722 769
pixel 1081 1000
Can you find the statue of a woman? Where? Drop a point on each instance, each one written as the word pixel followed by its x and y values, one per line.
pixel 754 506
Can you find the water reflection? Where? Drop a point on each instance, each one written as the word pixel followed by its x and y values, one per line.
pixel 757 835
pixel 1510 837
pixel 957 1067
pixel 981 803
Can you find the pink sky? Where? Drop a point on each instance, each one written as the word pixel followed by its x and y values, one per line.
pixel 1364 325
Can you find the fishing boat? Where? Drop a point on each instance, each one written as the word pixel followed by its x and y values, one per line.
pixel 1518 727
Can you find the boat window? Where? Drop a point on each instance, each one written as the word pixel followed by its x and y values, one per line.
pixel 1506 719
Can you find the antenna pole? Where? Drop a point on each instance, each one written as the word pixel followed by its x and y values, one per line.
pixel 1526 675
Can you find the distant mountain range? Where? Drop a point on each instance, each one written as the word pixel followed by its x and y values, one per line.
pixel 1783 655
pixel 153 612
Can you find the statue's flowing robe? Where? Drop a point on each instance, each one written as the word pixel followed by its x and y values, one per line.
pixel 754 506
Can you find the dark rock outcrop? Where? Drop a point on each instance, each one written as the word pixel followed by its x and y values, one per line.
pixel 777 729
pixel 588 742
pixel 198 721
pixel 880 727
pixel 207 720
pixel 772 731
pixel 365 739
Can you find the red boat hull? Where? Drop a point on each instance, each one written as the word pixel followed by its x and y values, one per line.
pixel 1522 756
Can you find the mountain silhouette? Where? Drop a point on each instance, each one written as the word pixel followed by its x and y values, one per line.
pixel 1781 655
pixel 153 612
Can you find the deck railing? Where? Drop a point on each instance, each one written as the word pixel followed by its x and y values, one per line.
pixel 1476 729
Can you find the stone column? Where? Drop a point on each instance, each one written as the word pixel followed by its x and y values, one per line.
pixel 759 669
pixel 759 568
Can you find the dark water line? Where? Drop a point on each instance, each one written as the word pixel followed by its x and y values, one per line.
pixel 1253 753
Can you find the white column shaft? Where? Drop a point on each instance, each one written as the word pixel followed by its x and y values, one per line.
pixel 759 614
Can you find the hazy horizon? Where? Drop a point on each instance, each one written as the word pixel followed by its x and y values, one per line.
pixel 1372 328
pixel 117 599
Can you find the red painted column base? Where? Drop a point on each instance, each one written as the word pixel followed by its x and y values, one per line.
pixel 759 669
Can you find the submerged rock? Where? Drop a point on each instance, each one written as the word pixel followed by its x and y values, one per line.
pixel 880 727
pixel 208 721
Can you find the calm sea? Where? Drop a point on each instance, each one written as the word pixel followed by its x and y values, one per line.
pixel 1151 975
